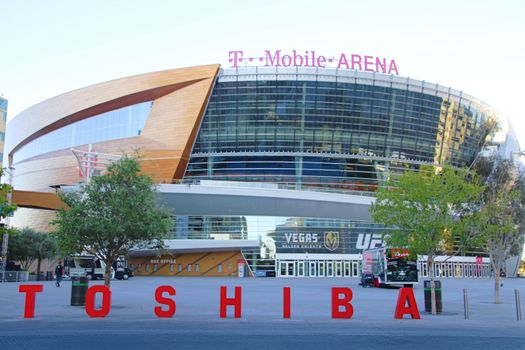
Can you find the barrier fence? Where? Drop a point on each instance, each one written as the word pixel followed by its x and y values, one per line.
pixel 14 276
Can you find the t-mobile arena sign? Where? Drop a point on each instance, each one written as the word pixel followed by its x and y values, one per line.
pixel 280 58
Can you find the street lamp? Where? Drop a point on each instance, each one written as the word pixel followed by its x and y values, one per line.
pixel 57 187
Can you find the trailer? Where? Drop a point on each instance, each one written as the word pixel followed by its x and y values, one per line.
pixel 383 267
pixel 84 265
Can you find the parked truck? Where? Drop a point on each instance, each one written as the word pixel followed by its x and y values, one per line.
pixel 389 267
pixel 94 268
pixel 84 265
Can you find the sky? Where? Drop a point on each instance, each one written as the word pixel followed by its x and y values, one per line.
pixel 51 47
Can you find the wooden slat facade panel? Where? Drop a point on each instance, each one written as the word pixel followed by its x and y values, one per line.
pixel 179 101
pixel 37 219
pixel 42 200
pixel 30 123
pixel 208 264
pixel 175 120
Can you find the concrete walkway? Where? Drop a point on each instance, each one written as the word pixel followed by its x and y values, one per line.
pixel 197 323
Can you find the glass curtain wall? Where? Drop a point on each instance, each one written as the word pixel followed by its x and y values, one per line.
pixel 120 123
pixel 311 133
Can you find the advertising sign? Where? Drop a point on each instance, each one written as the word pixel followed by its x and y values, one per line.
pixel 311 58
pixel 331 240
pixel 302 240
pixel 342 303
pixel 341 240
pixel 479 263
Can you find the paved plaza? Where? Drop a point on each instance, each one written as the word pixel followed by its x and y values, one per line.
pixel 196 324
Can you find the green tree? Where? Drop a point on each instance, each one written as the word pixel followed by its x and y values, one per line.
pixel 45 247
pixel 7 208
pixel 422 208
pixel 28 245
pixel 112 214
pixel 21 247
pixel 500 217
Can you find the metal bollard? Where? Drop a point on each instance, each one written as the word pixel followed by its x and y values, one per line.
pixel 518 304
pixel 465 304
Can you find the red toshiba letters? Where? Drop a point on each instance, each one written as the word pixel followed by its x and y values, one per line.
pixel 342 307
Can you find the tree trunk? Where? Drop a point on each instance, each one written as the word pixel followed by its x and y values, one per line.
pixel 26 263
pixel 496 288
pixel 497 280
pixel 38 269
pixel 107 274
pixel 496 266
pixel 432 284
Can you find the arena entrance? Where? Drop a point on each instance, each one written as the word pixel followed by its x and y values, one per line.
pixel 457 267
pixel 349 265
pixel 318 265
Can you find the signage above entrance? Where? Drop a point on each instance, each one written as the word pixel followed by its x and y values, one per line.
pixel 294 58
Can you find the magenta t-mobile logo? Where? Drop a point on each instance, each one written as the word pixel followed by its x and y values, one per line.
pixel 236 59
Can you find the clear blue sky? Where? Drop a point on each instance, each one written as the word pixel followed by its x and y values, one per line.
pixel 50 47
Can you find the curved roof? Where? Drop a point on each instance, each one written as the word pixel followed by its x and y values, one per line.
pixel 83 103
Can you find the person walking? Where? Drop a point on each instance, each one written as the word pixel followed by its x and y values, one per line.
pixel 59 270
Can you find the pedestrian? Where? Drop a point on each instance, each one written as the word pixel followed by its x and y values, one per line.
pixel 59 270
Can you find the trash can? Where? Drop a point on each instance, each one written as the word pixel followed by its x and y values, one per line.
pixel 79 287
pixel 428 300
pixel 49 275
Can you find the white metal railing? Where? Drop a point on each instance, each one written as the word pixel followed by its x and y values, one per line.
pixel 14 276
pixel 310 186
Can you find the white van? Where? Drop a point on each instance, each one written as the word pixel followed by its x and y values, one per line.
pixel 84 265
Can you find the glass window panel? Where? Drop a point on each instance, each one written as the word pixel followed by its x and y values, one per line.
pixel 103 127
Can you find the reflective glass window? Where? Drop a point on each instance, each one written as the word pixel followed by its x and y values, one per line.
pixel 272 130
pixel 124 122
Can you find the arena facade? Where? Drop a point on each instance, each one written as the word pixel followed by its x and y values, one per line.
pixel 3 119
pixel 266 169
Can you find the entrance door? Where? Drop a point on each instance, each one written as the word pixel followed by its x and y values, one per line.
pixel 286 269
pixel 437 270
pixel 347 272
pixel 355 269
pixel 300 269
pixel 424 269
pixel 329 269
pixel 320 271
pixel 457 270
pixel 313 270
pixel 290 268
pixel 338 269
